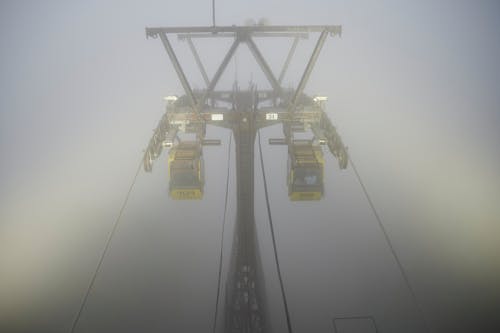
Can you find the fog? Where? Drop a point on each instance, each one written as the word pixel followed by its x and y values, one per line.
pixel 413 90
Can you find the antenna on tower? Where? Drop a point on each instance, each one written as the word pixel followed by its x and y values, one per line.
pixel 213 13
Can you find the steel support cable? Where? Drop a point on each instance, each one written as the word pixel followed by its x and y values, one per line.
pixel 391 247
pixel 219 279
pixel 276 259
pixel 106 247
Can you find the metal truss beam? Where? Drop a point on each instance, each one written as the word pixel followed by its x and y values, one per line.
pixel 198 61
pixel 178 69
pixel 288 59
pixel 333 29
pixel 264 66
pixel 218 74
pixel 303 35
pixel 308 70
pixel 243 34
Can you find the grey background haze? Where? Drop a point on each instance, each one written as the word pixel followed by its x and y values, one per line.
pixel 413 89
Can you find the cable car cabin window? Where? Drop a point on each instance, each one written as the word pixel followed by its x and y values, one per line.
pixel 185 178
pixel 307 177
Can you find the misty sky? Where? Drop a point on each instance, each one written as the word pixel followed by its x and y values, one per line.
pixel 414 90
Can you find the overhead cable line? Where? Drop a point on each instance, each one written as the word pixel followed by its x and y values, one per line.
pixel 219 279
pixel 391 248
pixel 276 259
pixel 106 247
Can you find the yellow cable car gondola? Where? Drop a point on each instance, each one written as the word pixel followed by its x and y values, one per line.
pixel 305 171
pixel 185 165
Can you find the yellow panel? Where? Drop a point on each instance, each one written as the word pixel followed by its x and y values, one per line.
pixel 186 194
pixel 171 158
pixel 319 156
pixel 301 196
